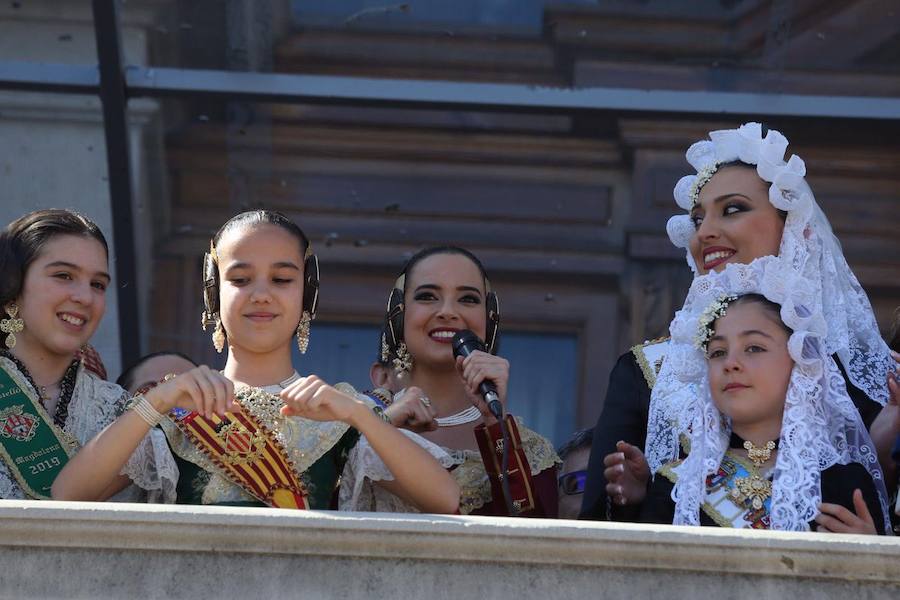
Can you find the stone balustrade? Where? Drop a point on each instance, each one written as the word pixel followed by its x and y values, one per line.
pixel 87 550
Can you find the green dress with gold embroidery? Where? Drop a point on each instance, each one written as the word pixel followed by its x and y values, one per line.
pixel 318 450
pixel 320 479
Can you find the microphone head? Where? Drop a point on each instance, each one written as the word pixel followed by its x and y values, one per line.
pixel 465 342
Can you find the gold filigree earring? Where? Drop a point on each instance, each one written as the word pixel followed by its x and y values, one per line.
pixel 385 351
pixel 12 325
pixel 218 336
pixel 404 361
pixel 303 332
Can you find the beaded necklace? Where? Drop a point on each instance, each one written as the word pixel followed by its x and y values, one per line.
pixel 66 387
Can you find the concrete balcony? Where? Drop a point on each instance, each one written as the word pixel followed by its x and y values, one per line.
pixel 83 550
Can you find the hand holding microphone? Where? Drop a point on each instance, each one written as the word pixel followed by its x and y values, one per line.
pixel 485 375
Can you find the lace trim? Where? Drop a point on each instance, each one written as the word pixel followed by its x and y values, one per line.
pixel 474 486
pixel 640 354
pixel 364 468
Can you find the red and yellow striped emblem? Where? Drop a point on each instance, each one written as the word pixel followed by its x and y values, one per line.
pixel 249 455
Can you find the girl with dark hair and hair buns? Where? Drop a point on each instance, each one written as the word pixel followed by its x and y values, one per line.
pixel 268 436
pixel 53 282
pixel 440 291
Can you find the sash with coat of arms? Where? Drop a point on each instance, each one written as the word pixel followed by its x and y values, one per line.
pixel 32 447
pixel 246 447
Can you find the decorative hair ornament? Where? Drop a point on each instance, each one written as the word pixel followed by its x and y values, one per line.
pixel 703 177
pixel 714 311
pixel 218 336
pixel 303 332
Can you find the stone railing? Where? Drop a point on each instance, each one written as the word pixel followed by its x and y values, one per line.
pixel 83 550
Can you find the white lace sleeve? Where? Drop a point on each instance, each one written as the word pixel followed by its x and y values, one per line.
pixel 151 467
pixel 358 491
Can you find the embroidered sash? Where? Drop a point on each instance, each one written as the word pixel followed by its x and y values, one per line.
pixel 32 447
pixel 245 449
pixel 724 504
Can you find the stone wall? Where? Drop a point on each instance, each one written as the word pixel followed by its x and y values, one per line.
pixel 82 550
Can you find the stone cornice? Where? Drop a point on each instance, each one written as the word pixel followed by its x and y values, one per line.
pixel 193 529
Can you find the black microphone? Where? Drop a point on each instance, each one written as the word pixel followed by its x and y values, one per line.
pixel 465 342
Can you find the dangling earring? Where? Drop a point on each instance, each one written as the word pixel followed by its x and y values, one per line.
pixel 12 325
pixel 385 351
pixel 303 332
pixel 218 336
pixel 404 361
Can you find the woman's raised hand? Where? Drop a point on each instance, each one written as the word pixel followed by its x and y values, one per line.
pixel 311 398
pixel 480 366
pixel 412 410
pixel 627 474
pixel 201 389
pixel 834 518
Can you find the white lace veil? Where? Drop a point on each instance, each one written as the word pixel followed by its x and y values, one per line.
pixel 808 246
pixel 821 426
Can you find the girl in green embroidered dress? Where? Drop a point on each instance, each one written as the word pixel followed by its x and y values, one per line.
pixel 261 290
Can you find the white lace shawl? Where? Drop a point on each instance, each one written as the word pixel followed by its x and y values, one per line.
pixel 808 246
pixel 358 490
pixel 821 425
pixel 95 404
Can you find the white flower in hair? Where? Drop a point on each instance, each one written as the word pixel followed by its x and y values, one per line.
pixel 714 311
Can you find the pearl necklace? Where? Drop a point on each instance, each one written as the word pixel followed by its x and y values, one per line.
pixel 275 388
pixel 461 418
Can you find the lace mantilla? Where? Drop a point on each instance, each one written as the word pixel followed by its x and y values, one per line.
pixel 95 404
pixel 821 426
pixel 808 247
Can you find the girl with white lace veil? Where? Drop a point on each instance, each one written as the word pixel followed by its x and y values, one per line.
pixel 735 377
pixel 727 223
pixel 53 282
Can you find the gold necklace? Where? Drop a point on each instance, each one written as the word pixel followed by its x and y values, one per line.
pixel 755 488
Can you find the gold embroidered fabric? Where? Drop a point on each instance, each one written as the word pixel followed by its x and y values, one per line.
pixel 470 474
pixel 305 441
pixel 649 356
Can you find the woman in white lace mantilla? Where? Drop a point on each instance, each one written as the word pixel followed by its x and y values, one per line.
pixel 746 202
pixel 53 281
